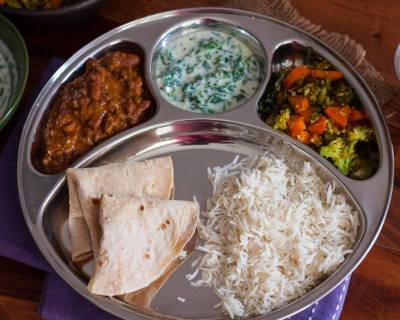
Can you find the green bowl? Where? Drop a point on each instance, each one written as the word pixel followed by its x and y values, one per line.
pixel 12 43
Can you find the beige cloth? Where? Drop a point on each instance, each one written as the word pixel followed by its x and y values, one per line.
pixel 352 51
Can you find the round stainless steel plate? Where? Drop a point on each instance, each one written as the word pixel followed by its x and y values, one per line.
pixel 195 142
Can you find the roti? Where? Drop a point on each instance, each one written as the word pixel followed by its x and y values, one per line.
pixel 143 297
pixel 141 238
pixel 150 178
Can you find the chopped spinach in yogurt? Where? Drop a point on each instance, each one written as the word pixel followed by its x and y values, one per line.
pixel 7 76
pixel 207 72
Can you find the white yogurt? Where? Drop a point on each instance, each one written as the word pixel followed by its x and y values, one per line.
pixel 207 72
pixel 8 77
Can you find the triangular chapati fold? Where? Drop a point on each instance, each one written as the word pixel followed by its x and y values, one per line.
pixel 141 238
pixel 143 297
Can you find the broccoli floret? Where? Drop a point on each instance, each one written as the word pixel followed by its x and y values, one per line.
pixel 344 93
pixel 333 150
pixel 282 119
pixel 340 153
pixel 323 97
pixel 360 133
pixel 346 155
pixel 331 132
pixel 322 64
pixel 315 116
pixel 315 91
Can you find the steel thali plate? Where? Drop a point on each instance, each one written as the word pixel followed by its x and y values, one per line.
pixel 195 142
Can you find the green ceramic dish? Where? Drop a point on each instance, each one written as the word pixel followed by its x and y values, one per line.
pixel 11 43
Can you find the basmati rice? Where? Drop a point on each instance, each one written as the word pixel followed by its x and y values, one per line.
pixel 271 234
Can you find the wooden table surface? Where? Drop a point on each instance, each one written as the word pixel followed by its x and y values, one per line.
pixel 375 287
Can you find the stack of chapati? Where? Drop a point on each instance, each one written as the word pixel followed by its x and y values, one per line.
pixel 121 214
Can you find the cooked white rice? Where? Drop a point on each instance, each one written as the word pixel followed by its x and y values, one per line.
pixel 271 233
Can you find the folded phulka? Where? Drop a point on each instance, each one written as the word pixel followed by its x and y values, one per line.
pixel 151 178
pixel 142 298
pixel 141 237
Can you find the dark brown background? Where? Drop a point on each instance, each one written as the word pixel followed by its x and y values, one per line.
pixel 375 287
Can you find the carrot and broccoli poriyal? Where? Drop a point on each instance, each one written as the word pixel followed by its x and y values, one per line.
pixel 314 104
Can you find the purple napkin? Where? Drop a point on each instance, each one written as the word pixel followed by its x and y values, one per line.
pixel 59 301
pixel 15 239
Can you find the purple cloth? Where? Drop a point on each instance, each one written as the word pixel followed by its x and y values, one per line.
pixel 15 239
pixel 59 301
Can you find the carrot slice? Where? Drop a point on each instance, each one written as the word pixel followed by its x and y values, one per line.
pixel 299 103
pixel 304 137
pixel 318 127
pixel 346 110
pixel 296 125
pixel 315 139
pixel 356 115
pixel 323 74
pixel 297 129
pixel 338 115
pixel 297 74
pixel 307 114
